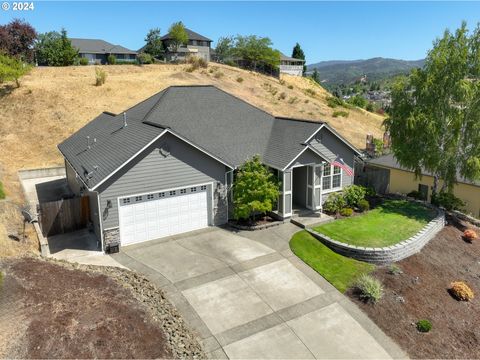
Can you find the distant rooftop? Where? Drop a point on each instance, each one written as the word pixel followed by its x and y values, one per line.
pixel 192 35
pixel 98 46
pixel 284 57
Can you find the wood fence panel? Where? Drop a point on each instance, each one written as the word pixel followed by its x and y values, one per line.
pixel 62 216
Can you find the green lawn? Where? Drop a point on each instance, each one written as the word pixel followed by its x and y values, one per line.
pixel 387 224
pixel 339 270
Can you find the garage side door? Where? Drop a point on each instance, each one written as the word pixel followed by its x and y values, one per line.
pixel 161 214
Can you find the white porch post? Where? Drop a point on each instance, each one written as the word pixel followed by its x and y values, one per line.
pixel 287 193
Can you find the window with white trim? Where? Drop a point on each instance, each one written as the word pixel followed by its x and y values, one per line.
pixel 183 191
pixel 149 196
pixel 126 201
pixel 138 198
pixel 332 177
pixel 162 194
pixel 203 187
pixel 173 192
pixel 193 189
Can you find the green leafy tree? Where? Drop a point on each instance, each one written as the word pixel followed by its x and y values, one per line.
pixel 55 49
pixel 223 50
pixel 359 101
pixel 434 118
pixel 297 53
pixel 12 69
pixel 256 50
pixel 178 36
pixel 153 41
pixel 255 189
pixel 17 39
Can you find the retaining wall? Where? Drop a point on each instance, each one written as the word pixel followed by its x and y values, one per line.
pixel 389 254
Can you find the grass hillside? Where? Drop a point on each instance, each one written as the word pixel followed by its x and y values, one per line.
pixel 52 103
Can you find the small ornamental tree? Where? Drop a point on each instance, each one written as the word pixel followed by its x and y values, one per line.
pixel 255 189
pixel 178 36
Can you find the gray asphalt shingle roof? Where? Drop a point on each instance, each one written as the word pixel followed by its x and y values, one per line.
pixel 390 161
pixel 97 46
pixel 289 58
pixel 192 35
pixel 215 121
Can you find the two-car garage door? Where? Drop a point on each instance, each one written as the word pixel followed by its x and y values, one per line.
pixel 160 214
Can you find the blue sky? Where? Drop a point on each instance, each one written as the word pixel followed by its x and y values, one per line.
pixel 325 30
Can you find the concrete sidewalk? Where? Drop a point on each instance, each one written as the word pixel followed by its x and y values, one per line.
pixel 248 296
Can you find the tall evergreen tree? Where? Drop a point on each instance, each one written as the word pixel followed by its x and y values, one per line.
pixel 153 43
pixel 297 53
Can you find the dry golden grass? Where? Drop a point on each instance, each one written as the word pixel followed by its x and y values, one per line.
pixel 52 103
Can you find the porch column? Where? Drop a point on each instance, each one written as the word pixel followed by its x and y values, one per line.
pixel 318 171
pixel 285 201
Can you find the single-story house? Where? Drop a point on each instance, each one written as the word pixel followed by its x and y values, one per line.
pixel 291 66
pixel 97 51
pixel 197 45
pixel 388 176
pixel 166 165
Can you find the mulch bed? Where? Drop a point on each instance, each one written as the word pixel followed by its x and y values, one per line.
pixel 68 311
pixel 421 292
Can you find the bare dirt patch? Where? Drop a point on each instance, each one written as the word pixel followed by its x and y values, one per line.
pixel 421 292
pixel 67 311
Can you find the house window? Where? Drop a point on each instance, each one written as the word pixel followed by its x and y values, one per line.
pixel 183 191
pixel 126 201
pixel 203 187
pixel 138 198
pixel 149 196
pixel 332 177
pixel 193 189
pixel 162 194
pixel 172 193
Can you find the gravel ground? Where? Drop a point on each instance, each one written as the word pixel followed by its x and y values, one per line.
pixel 55 309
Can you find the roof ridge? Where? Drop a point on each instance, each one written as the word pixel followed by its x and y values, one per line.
pixel 300 120
pixel 144 120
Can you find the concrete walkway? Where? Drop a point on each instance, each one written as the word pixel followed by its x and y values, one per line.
pixel 248 296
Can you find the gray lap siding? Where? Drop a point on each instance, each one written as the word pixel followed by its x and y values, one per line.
pixel 180 165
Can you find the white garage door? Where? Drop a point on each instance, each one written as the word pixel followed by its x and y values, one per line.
pixel 161 214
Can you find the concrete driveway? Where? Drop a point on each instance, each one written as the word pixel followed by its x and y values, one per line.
pixel 248 296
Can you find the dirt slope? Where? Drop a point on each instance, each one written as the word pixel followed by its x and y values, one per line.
pixel 52 103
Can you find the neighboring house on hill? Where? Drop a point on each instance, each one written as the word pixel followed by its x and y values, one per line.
pixel 388 176
pixel 291 66
pixel 97 51
pixel 197 45
pixel 165 165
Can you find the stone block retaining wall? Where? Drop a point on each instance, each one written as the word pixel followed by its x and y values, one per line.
pixel 389 254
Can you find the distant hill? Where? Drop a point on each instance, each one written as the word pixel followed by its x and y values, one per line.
pixel 335 72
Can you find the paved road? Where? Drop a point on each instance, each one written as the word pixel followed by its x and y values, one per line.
pixel 248 296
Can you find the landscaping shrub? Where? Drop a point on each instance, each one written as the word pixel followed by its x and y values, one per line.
pixel 100 77
pixel 239 79
pixel 370 288
pixel 448 201
pixel 310 92
pixel 333 102
pixel 394 269
pixel 470 235
pixel 218 75
pixel 370 191
pixel 290 87
pixel 334 203
pixel 144 58
pixel 196 63
pixel 353 194
pixel 282 82
pixel 341 113
pixel 2 192
pixel 363 205
pixel 83 61
pixel 424 325
pixel 346 212
pixel 461 291
pixel 282 96
pixel 293 100
pixel 111 59
pixel 415 194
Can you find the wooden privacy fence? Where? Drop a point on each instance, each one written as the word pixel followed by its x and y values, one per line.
pixel 62 216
